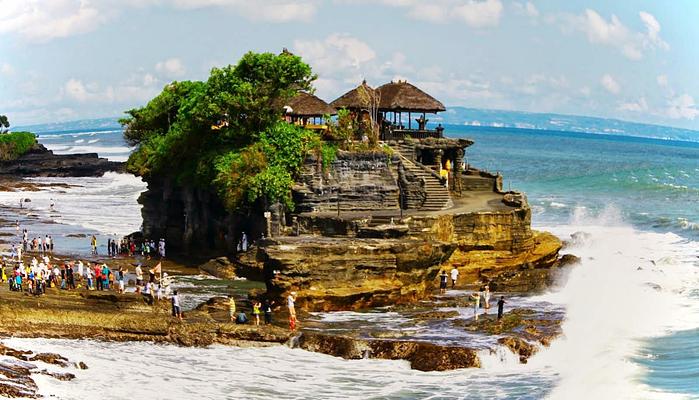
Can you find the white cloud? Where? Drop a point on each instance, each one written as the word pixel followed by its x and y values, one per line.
pixel 171 68
pixel 475 13
pixel 638 106
pixel 662 80
pixel 41 21
pixel 131 92
pixel 76 90
pixel 336 55
pixel 265 10
pixel 610 84
pixel 479 14
pixel 45 20
pixel 528 9
pixel 6 69
pixel 682 107
pixel 614 33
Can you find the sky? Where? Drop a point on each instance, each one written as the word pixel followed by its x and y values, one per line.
pixel 634 60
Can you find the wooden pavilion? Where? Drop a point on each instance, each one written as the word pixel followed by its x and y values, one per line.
pixel 402 97
pixel 387 104
pixel 308 110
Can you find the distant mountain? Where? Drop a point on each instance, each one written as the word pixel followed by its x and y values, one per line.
pixel 100 124
pixel 559 122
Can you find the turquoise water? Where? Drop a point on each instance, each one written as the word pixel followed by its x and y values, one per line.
pixel 654 183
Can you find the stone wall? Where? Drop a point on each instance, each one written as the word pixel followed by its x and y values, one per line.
pixel 359 181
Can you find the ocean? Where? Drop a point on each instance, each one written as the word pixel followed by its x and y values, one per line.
pixel 632 306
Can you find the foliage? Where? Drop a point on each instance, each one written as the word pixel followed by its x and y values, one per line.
pixel 15 144
pixel 328 154
pixel 341 129
pixel 226 133
pixel 4 124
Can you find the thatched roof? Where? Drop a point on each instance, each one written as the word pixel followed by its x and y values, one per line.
pixel 402 96
pixel 357 98
pixel 307 105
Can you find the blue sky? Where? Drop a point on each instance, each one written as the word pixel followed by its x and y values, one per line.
pixel 634 60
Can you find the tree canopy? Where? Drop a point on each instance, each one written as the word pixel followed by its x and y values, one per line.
pixel 226 133
pixel 4 124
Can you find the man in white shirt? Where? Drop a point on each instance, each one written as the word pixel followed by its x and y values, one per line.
pixel 454 277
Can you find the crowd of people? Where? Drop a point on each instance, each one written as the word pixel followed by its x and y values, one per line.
pixel 480 298
pixel 43 272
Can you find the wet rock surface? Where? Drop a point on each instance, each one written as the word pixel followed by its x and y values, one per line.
pixel 42 162
pixel 422 356
pixel 17 367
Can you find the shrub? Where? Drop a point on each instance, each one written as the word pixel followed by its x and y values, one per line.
pixel 15 144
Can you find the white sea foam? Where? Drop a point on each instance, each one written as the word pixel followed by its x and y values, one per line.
pixel 630 286
pixel 106 204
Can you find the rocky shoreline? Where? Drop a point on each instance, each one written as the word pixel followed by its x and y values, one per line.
pixel 40 161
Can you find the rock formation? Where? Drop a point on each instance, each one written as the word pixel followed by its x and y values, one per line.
pixel 42 162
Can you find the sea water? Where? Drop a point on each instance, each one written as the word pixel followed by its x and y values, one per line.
pixel 632 306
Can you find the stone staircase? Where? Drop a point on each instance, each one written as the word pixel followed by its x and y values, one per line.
pixel 438 197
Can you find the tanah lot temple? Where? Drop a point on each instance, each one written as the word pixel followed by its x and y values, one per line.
pixel 375 225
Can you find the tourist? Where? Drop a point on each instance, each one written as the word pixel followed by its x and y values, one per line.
pixel 47 244
pixel 454 276
pixel 231 307
pixel 51 244
pixel 476 297
pixel 98 277
pixel 106 277
pixel 501 306
pixel 443 282
pixel 70 276
pixel 268 311
pixel 161 248
pixel 81 269
pixel 291 305
pixel 486 299
pixel 176 311
pixel 64 277
pixel 256 308
pixel 109 246
pixel 139 278
pixel 90 279
pixel 120 277
pixel 241 318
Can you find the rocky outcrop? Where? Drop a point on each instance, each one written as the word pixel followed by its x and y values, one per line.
pixel 42 162
pixel 422 356
pixel 192 218
pixel 17 367
pixel 349 273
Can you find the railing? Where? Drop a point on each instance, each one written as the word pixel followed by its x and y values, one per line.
pixel 400 134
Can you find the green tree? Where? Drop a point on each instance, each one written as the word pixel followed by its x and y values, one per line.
pixel 4 124
pixel 225 133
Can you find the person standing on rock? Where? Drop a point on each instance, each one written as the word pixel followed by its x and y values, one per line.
pixel 443 282
pixel 268 311
pixel 291 305
pixel 256 308
pixel 93 244
pixel 176 310
pixel 231 308
pixel 476 297
pixel 486 299
pixel 139 278
pixel 454 276
pixel 501 306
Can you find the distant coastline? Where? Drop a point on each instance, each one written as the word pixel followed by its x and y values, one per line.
pixel 481 119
